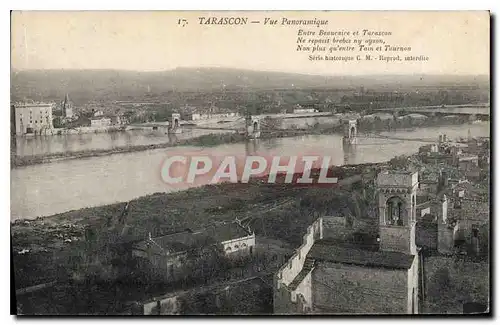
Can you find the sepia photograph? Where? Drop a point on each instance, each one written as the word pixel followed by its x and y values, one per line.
pixel 250 163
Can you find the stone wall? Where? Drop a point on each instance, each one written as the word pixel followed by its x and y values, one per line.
pixel 240 246
pixel 304 291
pixel 413 285
pixel 396 179
pixel 285 300
pixel 336 228
pixel 426 235
pixel 394 238
pixel 340 288
pixel 439 209
pixel 291 269
pixel 445 238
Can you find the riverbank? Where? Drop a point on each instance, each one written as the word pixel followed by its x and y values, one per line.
pixel 275 210
pixel 211 140
pixel 204 140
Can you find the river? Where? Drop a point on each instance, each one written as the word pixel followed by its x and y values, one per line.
pixel 46 189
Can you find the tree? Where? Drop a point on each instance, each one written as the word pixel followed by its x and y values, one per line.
pixel 272 123
pixel 57 122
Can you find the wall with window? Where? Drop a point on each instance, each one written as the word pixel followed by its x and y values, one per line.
pixel 103 122
pixel 240 246
pixel 33 118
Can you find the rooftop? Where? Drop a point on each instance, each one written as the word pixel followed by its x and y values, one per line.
pixel 174 243
pixel 331 252
pixel 466 156
pixel 101 117
pixel 39 104
pixel 399 178
pixel 227 231
pixel 396 172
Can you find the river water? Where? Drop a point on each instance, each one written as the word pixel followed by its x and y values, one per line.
pixel 27 146
pixel 46 189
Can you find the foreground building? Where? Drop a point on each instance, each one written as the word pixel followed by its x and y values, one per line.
pixel 328 276
pixel 170 254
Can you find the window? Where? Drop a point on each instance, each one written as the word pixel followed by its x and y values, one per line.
pixel 394 211
pixel 228 248
pixel 243 245
pixel 475 231
pixel 236 247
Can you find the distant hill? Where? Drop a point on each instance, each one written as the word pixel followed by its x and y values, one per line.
pixel 85 85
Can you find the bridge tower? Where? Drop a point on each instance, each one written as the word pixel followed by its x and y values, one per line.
pixel 350 133
pixel 253 127
pixel 175 126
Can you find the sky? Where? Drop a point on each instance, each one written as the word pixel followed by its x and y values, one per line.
pixel 454 42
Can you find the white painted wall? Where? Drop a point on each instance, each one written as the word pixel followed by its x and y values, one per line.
pixel 290 270
pixel 239 245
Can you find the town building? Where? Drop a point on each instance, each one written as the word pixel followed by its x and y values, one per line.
pixel 33 118
pixel 329 276
pixel 118 120
pixel 304 110
pixel 100 122
pixel 457 221
pixel 466 162
pixel 466 226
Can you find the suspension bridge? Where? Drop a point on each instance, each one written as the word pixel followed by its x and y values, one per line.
pixel 267 125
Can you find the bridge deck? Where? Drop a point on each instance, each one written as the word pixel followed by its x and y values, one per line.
pixel 451 110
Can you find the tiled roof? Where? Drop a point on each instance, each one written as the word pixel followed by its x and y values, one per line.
pixel 349 255
pixel 178 242
pixel 227 231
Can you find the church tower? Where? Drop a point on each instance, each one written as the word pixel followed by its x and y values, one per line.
pixel 397 194
pixel 67 107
